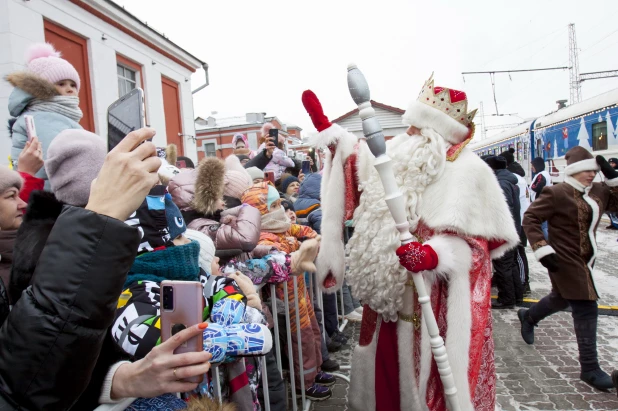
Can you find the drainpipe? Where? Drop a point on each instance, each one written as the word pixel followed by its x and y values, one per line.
pixel 205 67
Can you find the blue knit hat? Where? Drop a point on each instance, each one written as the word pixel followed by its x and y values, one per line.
pixel 175 222
pixel 285 183
pixel 273 195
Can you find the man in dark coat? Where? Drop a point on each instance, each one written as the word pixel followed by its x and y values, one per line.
pixel 573 211
pixel 510 287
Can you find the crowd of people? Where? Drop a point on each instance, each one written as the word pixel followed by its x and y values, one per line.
pixel 88 236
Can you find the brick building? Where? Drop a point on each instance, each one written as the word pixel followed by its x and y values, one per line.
pixel 214 134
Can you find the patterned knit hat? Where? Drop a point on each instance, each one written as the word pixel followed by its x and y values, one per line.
pixel 44 61
pixel 579 159
pixel 175 223
pixel 150 218
pixel 9 178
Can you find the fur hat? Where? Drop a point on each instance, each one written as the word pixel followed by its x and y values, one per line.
pixel 496 162
pixel 44 61
pixel 255 172
pixel 9 178
pixel 508 156
pixel 538 163
pixel 209 185
pixel 579 159
pixel 207 248
pixel 236 179
pixel 74 159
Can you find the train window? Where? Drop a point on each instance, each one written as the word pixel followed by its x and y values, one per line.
pixel 525 151
pixel 518 153
pixel 599 136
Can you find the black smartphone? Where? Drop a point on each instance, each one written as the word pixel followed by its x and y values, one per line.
pixel 306 167
pixel 274 134
pixel 124 116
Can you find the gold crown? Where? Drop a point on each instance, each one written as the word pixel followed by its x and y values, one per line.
pixel 453 103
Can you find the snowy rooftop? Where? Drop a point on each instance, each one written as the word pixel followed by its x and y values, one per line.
pixel 232 121
pixel 595 103
pixel 505 135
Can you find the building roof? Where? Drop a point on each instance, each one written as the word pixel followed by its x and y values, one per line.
pixel 114 14
pixel 374 104
pixel 234 122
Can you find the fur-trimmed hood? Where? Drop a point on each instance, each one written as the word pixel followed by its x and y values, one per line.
pixel 28 86
pixel 209 185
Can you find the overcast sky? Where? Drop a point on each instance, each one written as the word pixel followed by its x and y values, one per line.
pixel 263 54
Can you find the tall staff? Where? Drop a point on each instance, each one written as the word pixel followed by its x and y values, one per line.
pixel 359 90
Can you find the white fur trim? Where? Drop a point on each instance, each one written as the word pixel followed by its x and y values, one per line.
pixel 363 377
pixel 331 257
pixel 583 165
pixel 421 115
pixel 454 263
pixel 467 200
pixel 612 183
pixel 334 134
pixel 591 231
pixel 544 252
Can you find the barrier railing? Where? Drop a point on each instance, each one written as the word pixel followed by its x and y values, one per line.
pixel 314 291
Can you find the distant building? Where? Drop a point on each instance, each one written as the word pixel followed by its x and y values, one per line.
pixel 214 134
pixel 389 117
pixel 113 52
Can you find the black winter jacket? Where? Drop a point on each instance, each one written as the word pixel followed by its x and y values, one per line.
pixel 508 184
pixel 260 160
pixel 51 340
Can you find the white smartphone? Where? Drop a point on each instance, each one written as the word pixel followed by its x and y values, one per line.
pixel 30 128
pixel 125 115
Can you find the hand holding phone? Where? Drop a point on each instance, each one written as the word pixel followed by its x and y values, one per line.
pixel 306 167
pixel 270 176
pixel 30 159
pixel 274 134
pixel 124 116
pixel 181 307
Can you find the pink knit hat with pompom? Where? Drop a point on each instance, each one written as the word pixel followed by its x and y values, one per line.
pixel 44 61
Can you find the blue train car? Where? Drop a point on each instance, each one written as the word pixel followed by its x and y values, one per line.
pixel 591 124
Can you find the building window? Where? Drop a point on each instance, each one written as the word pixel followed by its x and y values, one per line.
pixel 127 79
pixel 599 136
pixel 210 149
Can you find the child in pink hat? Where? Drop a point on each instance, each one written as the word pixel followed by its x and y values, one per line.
pixel 48 91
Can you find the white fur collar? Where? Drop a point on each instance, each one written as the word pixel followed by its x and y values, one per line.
pixel 468 200
pixel 576 184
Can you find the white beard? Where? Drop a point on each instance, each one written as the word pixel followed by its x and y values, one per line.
pixel 374 273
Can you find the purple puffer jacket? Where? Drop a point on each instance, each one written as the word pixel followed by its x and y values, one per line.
pixel 239 227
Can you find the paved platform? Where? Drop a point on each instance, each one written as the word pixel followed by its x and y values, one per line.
pixel 544 376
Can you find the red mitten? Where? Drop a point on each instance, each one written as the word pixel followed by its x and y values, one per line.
pixel 417 257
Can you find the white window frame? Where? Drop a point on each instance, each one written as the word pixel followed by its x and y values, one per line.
pixel 135 83
pixel 205 145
